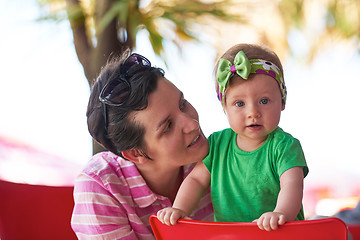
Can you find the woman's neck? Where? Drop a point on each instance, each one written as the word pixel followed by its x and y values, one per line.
pixel 163 182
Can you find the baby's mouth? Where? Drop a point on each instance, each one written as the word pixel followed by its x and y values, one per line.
pixel 254 126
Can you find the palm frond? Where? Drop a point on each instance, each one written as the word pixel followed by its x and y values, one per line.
pixel 119 10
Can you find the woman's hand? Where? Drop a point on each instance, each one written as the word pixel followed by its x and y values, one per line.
pixel 170 216
pixel 270 221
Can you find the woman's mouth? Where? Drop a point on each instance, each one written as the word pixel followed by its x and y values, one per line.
pixel 194 141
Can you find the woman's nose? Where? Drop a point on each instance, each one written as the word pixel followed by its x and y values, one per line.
pixel 190 123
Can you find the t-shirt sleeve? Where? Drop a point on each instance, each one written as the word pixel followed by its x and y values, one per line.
pixel 289 155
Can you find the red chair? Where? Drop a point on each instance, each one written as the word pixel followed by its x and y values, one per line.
pixel 35 212
pixel 329 229
pixel 354 230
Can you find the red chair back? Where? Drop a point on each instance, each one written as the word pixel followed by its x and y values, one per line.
pixel 35 212
pixel 354 230
pixel 329 229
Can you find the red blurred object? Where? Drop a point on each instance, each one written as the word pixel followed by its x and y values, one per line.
pixel 35 212
pixel 354 229
pixel 328 228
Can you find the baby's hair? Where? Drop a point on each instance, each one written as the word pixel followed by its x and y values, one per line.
pixel 252 51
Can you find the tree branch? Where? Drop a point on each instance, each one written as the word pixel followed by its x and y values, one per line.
pixel 82 45
pixel 108 43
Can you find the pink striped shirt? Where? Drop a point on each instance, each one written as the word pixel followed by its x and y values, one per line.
pixel 112 201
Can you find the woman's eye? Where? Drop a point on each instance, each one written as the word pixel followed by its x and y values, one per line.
pixel 168 127
pixel 239 104
pixel 183 104
pixel 264 101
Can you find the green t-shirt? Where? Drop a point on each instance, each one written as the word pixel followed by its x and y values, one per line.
pixel 244 185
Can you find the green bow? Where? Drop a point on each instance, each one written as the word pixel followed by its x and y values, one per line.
pixel 241 66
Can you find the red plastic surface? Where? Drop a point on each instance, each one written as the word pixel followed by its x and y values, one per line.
pixel 354 230
pixel 329 229
pixel 35 212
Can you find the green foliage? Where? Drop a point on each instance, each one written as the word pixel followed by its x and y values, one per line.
pixel 53 10
pixel 119 10
pixel 181 16
pixel 344 18
pixel 292 12
pixel 179 20
pixel 75 14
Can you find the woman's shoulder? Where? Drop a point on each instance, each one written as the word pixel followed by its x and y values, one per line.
pixel 104 166
pixel 105 161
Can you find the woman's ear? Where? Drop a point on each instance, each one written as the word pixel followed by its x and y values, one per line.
pixel 283 106
pixel 134 156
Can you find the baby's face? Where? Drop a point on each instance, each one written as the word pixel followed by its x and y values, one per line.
pixel 253 108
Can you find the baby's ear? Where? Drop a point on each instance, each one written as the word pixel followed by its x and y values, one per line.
pixel 134 156
pixel 283 107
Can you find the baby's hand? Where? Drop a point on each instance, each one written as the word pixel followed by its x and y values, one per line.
pixel 169 216
pixel 270 221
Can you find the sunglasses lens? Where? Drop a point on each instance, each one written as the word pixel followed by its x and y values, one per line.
pixel 116 92
pixel 135 59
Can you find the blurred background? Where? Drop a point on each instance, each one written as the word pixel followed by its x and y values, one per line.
pixel 52 50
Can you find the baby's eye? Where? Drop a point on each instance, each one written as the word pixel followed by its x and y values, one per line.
pixel 239 104
pixel 264 101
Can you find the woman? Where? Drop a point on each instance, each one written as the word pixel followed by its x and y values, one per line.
pixel 153 137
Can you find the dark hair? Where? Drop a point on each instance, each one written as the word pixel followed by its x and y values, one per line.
pixel 123 132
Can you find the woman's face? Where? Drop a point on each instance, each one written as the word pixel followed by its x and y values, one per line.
pixel 173 136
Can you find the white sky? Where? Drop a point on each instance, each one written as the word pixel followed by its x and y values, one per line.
pixel 44 93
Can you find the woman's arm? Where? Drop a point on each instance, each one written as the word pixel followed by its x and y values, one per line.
pixel 188 196
pixel 288 202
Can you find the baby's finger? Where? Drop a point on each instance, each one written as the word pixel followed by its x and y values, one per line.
pixel 273 223
pixel 160 215
pixel 175 216
pixel 282 220
pixel 260 223
pixel 266 224
pixel 167 217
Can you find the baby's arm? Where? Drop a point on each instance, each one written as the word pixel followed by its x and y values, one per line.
pixel 188 196
pixel 288 202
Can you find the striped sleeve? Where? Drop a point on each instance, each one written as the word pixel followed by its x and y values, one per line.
pixel 97 214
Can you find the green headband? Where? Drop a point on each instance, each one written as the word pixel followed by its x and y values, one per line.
pixel 244 67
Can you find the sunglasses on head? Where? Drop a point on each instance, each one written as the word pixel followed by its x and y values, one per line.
pixel 118 89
